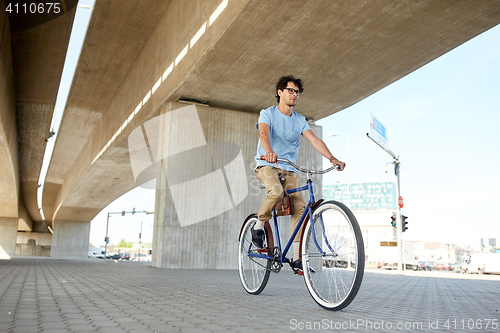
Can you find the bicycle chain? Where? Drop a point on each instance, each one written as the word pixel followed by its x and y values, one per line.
pixel 276 265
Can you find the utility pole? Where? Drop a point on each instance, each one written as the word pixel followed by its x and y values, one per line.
pixel 399 223
pixel 106 239
pixel 140 243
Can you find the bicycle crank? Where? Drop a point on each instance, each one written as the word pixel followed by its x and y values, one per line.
pixel 277 264
pixel 276 255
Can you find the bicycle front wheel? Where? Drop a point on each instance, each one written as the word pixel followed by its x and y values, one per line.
pixel 254 271
pixel 333 252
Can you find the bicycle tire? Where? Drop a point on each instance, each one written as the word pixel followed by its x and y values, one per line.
pixel 331 276
pixel 254 272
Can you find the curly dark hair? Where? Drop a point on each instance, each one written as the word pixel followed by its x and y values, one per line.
pixel 283 82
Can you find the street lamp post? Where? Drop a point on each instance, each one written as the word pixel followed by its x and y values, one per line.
pixel 348 172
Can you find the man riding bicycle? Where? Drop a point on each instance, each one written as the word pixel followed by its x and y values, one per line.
pixel 280 129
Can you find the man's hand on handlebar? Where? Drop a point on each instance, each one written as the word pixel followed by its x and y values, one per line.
pixel 271 158
pixel 341 165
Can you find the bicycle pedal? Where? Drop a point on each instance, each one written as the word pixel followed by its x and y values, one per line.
pixel 297 272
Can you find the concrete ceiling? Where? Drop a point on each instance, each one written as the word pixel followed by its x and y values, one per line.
pixel 39 43
pixel 116 35
pixel 344 51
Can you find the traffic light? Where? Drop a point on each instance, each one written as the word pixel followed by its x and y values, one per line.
pixel 393 220
pixel 106 240
pixel 403 219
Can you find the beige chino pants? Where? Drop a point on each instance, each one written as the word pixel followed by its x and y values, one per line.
pixel 268 175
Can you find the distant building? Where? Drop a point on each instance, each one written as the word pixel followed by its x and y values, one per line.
pixel 373 205
pixel 438 252
pixel 363 196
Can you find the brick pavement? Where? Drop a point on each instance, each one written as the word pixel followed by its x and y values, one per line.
pixel 49 295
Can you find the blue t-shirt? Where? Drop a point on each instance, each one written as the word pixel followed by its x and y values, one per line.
pixel 284 135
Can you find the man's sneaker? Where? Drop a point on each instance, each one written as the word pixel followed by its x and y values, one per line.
pixel 258 238
pixel 297 267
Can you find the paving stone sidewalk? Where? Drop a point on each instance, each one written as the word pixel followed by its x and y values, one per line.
pixel 49 295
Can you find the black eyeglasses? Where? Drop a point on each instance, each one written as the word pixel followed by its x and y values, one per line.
pixel 293 91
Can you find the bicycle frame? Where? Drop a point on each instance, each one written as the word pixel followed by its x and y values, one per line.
pixel 308 210
pixel 331 276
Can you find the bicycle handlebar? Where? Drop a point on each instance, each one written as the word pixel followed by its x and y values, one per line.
pixel 314 172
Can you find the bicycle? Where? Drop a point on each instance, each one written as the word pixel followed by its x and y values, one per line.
pixel 331 250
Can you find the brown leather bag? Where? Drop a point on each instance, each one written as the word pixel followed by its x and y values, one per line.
pixel 285 206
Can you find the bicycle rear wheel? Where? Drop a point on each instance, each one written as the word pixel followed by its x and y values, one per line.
pixel 334 256
pixel 254 271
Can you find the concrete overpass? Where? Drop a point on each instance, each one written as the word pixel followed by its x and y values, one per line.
pixel 33 49
pixel 140 58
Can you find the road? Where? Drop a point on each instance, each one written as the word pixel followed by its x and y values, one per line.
pixel 49 295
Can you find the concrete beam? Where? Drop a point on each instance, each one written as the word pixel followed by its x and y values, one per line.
pixel 25 221
pixel 9 166
pixel 39 43
pixel 115 30
pixel 81 180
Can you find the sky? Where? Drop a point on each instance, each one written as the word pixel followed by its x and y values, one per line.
pixel 442 121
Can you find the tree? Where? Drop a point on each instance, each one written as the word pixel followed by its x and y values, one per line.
pixel 123 243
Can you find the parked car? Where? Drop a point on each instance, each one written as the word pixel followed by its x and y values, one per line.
pixel 96 253
pixel 442 267
pixel 424 266
pixel 114 256
pixel 125 256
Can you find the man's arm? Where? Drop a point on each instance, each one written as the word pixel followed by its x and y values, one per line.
pixel 264 132
pixel 320 146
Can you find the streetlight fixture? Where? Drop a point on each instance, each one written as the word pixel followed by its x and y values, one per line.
pixel 348 172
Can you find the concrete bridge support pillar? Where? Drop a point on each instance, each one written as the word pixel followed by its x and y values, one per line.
pixel 212 243
pixel 70 240
pixel 8 234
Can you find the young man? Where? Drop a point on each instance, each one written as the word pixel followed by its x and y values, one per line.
pixel 280 129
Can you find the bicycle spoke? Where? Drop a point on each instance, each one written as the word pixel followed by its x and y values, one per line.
pixel 335 281
pixel 254 271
